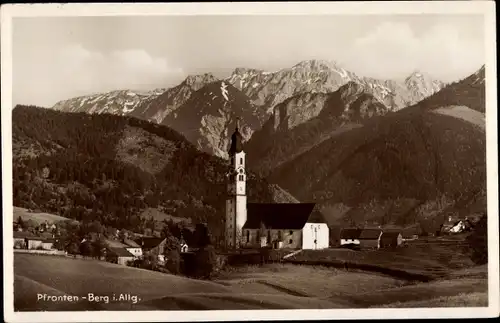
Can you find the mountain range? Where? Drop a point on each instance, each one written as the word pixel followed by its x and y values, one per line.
pixel 367 151
pixel 263 91
pixel 407 160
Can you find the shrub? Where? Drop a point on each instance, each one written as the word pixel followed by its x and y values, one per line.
pixel 173 263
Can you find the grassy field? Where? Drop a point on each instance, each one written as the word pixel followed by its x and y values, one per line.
pixel 432 260
pixel 38 217
pixel 273 286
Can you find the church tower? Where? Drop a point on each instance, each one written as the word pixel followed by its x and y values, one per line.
pixel 236 202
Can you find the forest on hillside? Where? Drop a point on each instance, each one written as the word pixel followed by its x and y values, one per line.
pixel 82 166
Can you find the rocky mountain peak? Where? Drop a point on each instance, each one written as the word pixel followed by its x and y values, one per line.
pixel 317 64
pixel 351 89
pixel 198 81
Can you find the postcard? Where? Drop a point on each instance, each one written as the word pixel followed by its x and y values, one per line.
pixel 249 161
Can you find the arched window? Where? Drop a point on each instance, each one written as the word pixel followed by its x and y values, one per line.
pixel 241 161
pixel 240 178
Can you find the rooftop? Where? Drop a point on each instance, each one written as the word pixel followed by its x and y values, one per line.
pixel 369 234
pixel 350 233
pixel 288 216
pixel 120 252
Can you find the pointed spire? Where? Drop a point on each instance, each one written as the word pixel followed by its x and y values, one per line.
pixel 237 123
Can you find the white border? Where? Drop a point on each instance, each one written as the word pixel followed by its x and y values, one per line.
pixel 486 8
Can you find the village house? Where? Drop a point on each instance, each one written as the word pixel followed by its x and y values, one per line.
pixel 148 243
pixel 153 246
pixel 391 239
pixel 133 247
pixel 34 242
pixel 287 225
pixel 370 238
pixel 350 236
pixel 20 237
pixel 118 255
pixel 455 225
pixel 48 243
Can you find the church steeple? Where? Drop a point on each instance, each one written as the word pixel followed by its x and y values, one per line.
pixel 236 203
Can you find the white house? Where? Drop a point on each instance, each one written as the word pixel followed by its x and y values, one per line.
pixel 280 225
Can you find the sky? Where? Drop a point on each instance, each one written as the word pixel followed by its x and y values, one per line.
pixel 57 58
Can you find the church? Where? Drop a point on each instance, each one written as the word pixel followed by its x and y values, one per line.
pixel 276 225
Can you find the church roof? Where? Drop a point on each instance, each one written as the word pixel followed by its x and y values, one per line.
pixel 288 216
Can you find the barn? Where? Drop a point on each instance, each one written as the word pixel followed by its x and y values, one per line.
pixel 391 239
pixel 370 238
pixel 284 225
pixel 350 236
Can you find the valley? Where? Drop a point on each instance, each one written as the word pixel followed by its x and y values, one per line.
pixel 407 156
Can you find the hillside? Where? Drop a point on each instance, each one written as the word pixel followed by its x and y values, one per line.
pixel 209 116
pixel 37 217
pixel 469 92
pixel 304 120
pixel 273 286
pixel 111 169
pixel 410 163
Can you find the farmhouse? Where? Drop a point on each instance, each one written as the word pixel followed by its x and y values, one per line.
pixel 391 239
pixel 118 255
pixel 370 238
pixel 350 236
pixel 34 242
pixel 148 243
pixel 297 225
pixel 287 225
pixel 133 247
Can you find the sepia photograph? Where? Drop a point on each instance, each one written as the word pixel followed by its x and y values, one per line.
pixel 249 161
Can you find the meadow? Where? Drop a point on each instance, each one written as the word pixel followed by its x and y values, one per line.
pixel 271 286
pixel 425 259
pixel 37 217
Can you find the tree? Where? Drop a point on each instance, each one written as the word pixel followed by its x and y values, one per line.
pixel 122 234
pixel 97 248
pixel 206 260
pixel 20 222
pixel 86 248
pixel 202 236
pixel 173 263
pixel 477 242
pixel 30 224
